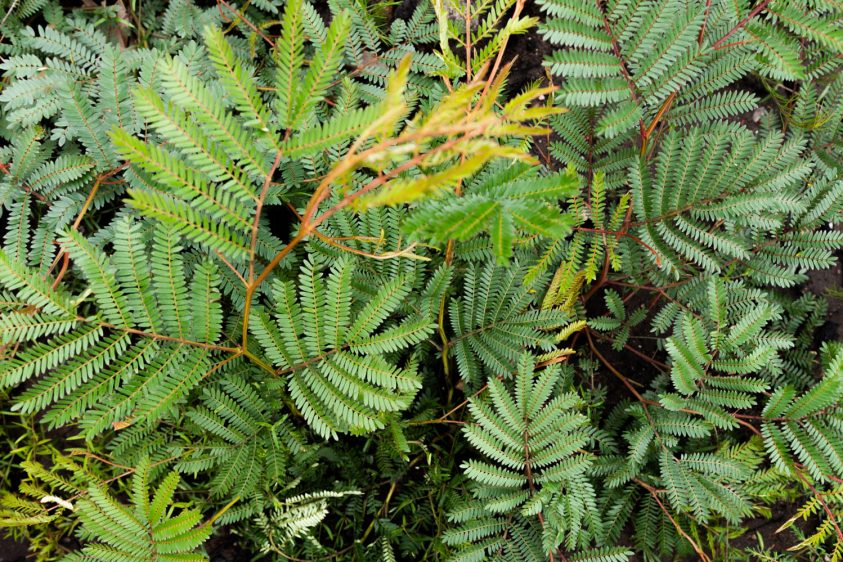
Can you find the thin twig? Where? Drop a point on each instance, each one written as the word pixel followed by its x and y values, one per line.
pixel 85 206
pixel 9 12
pixel 824 504
pixel 258 209
pixel 623 234
pixel 740 25
pixel 653 492
pixel 242 18
pixel 519 5
pixel 616 49
pixel 231 267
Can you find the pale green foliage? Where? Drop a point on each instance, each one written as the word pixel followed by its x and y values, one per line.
pixel 722 175
pixel 294 518
pixel 493 321
pixel 715 358
pixel 97 370
pixel 806 428
pixel 627 58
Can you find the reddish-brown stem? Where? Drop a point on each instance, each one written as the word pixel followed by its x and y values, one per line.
pixel 528 473
pixel 91 455
pixel 652 361
pixel 250 289
pixel 231 267
pixel 87 203
pixel 382 179
pixel 740 25
pixel 626 382
pixel 704 23
pixel 162 337
pixel 824 504
pixel 645 402
pixel 62 271
pixel 127 472
pixel 604 275
pixel 242 18
pixel 5 169
pixel 747 425
pixel 462 404
pixel 734 44
pixel 519 5
pixel 258 209
pixel 468 40
pixel 660 292
pixel 616 49
pixel 624 234
pixel 310 221
pixel 654 493
pixel 85 206
pixel 656 120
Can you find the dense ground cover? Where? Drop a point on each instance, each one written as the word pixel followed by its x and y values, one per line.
pixel 512 280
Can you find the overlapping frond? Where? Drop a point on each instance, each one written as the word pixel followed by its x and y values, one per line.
pixel 143 349
pixel 722 176
pixel 531 438
pixel 525 204
pixel 496 318
pixel 334 348
pixel 149 530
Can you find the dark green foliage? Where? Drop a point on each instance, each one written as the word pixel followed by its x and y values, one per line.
pixel 245 448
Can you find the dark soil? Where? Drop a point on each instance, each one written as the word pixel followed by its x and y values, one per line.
pixel 528 50
pixel 10 550
pixel 766 529
pixel 224 548
pixel 828 283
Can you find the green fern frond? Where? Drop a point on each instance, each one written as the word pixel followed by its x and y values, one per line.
pixel 495 320
pixel 148 531
pixel 533 441
pixel 335 359
pixel 499 210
